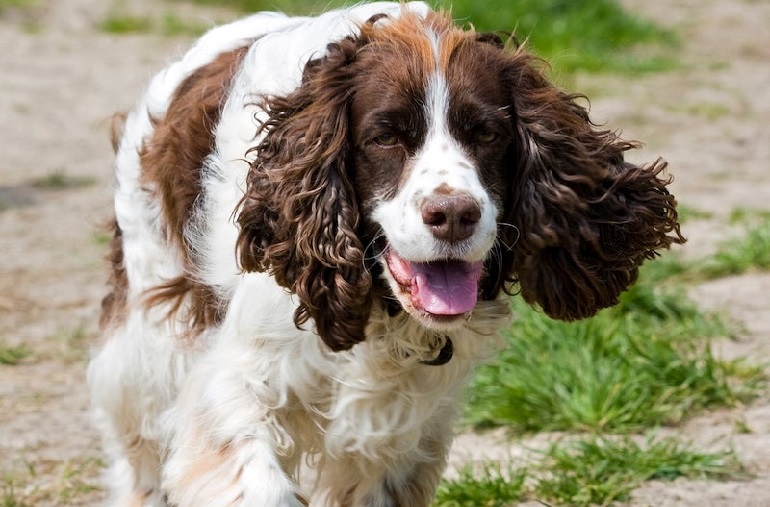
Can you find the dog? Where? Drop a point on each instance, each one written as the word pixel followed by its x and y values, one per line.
pixel 318 225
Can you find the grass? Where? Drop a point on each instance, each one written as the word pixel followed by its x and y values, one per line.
pixel 75 478
pixel 748 216
pixel 122 24
pixel 637 365
pixel 577 35
pixel 101 238
pixel 591 470
pixel 738 256
pixel 6 4
pixel 708 110
pixel 60 180
pixel 13 354
pixel 53 482
pixel 735 256
pixel 687 213
pixel 595 35
pixel 599 470
pixel 169 25
pixel 488 487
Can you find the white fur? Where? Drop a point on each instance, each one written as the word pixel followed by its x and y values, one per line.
pixel 228 418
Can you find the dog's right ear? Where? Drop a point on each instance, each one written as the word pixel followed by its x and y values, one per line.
pixel 299 217
pixel 585 218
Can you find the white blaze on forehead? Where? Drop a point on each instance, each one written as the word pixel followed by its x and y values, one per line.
pixel 437 104
pixel 441 155
pixel 437 93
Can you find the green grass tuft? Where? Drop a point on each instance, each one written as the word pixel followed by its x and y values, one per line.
pixel 577 35
pixel 6 4
pixel 169 25
pixel 51 482
pixel 123 24
pixel 60 180
pixel 748 216
pixel 12 355
pixel 631 367
pixel 489 487
pixel 172 25
pixel 738 256
pixel 641 364
pixel 687 213
pixel 593 470
pixel 600 470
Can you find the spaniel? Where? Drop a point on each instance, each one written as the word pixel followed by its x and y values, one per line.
pixel 318 224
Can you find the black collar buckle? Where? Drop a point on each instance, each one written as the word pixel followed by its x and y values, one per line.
pixel 444 355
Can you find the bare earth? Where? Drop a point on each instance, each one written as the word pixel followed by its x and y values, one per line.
pixel 60 80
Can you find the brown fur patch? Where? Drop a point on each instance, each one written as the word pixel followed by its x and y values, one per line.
pixel 429 43
pixel 444 189
pixel 409 35
pixel 117 124
pixel 172 159
pixel 114 303
pixel 171 165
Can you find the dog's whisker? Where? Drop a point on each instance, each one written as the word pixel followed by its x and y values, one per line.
pixel 518 235
pixel 369 260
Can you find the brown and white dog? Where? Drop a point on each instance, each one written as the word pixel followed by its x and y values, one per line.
pixel 318 223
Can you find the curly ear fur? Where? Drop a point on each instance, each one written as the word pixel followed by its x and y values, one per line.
pixel 585 219
pixel 299 217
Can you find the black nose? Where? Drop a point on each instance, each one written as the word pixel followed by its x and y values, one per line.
pixel 451 217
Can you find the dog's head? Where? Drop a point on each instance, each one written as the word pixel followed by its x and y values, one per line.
pixel 425 167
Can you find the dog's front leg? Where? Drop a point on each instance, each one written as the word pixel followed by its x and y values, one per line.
pixel 226 446
pixel 395 466
pixel 408 481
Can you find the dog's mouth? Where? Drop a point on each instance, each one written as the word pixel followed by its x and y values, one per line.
pixel 442 289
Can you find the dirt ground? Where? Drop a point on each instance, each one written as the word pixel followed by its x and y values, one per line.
pixel 60 79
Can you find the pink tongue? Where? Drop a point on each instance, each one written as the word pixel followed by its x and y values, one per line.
pixel 445 288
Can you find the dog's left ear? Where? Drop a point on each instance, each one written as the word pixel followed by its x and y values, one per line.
pixel 585 219
pixel 299 217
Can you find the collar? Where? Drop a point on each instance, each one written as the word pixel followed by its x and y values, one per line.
pixel 444 355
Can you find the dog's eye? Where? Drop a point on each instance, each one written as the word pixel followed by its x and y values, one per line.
pixel 485 136
pixel 386 139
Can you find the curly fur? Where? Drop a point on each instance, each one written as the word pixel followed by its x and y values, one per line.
pixel 587 219
pixel 299 217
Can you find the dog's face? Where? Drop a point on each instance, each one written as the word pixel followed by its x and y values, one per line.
pixel 431 143
pixel 421 162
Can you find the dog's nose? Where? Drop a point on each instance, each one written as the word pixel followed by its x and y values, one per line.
pixel 451 217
